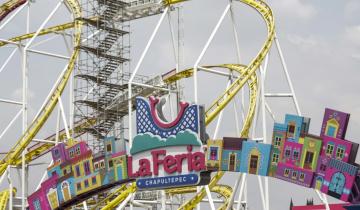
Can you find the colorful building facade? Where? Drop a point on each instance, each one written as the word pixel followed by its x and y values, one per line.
pixel 292 153
pixel 294 174
pixel 334 124
pixel 310 152
pixel 255 158
pixel 339 179
pixel 296 127
pixel 231 155
pixel 278 142
pixel 214 154
pixel 76 171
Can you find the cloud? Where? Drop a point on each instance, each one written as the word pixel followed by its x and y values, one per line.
pixel 295 8
pixel 356 56
pixel 305 43
pixel 352 8
pixel 17 94
pixel 352 34
pixel 147 141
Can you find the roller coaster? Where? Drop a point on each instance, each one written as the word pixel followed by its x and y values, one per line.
pixel 121 103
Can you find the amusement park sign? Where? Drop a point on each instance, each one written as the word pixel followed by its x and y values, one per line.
pixel 165 154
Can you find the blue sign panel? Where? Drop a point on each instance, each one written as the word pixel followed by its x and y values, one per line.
pixel 168 181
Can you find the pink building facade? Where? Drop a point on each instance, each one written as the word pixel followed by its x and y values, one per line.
pixel 292 153
pixel 40 199
pixel 339 179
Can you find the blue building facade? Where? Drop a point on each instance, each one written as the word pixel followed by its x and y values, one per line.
pixel 255 158
pixel 231 154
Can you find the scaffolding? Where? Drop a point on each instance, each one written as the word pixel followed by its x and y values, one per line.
pixel 102 70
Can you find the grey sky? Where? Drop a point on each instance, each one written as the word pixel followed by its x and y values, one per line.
pixel 320 41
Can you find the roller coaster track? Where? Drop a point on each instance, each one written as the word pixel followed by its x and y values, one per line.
pixel 223 190
pixel 247 74
pixel 10 6
pixel 50 104
pixel 229 94
pixel 4 197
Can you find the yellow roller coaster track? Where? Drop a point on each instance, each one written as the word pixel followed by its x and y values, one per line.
pixel 10 6
pixel 223 100
pixel 247 75
pixel 4 197
pixel 37 123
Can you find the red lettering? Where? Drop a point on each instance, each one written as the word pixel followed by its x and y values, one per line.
pixel 198 161
pixel 170 165
pixel 144 169
pixel 156 161
pixel 130 171
pixel 179 161
pixel 189 157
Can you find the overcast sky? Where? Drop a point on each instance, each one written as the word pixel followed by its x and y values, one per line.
pixel 320 41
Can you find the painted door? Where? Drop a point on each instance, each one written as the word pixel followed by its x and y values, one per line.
pixel 53 198
pixel 337 184
pixel 308 159
pixel 253 164
pixel 232 162
pixel 66 191
pixel 318 183
pixel 119 173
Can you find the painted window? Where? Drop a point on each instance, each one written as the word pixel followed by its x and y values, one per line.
pixel 93 180
pixel 108 147
pixel 287 152
pixel 291 129
pixel 64 171
pixel 275 158
pixel 309 157
pixel 77 170
pixel 277 141
pixel 296 155
pixel 332 127
pixel 294 175
pixel 71 153
pixel 56 152
pixel 78 186
pixel 36 204
pixel 329 148
pixel 213 153
pixel 87 167
pixel 111 164
pixel 302 177
pixel 253 161
pixel 286 172
pixel 77 150
pixel 322 167
pixel 96 166
pixel 331 131
pixel 340 152
pixel 86 183
pixel 102 165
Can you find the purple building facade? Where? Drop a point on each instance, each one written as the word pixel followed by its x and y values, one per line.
pixel 294 174
pixel 334 123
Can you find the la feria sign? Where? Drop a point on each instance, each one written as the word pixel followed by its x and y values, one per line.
pixel 167 154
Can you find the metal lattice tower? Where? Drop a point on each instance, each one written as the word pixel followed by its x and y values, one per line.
pixel 103 68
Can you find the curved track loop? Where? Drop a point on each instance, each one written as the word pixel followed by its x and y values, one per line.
pixel 10 6
pixel 247 76
pixel 50 104
pixel 229 94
